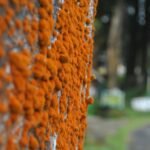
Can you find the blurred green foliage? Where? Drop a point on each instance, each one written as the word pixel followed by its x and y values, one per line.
pixel 97 109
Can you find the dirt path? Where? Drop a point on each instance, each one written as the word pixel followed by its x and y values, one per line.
pixel 140 139
pixel 98 128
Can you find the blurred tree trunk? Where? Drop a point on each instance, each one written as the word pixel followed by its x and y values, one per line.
pixel 130 29
pixel 136 33
pixel 114 44
pixel 148 48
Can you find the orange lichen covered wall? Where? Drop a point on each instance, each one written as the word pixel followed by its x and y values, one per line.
pixel 45 73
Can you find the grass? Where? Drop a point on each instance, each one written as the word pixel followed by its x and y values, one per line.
pixel 120 139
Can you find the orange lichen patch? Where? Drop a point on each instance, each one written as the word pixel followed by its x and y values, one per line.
pixel 33 143
pixel 19 60
pixel 31 6
pixel 45 3
pixel 26 25
pixel 35 25
pixel 63 104
pixel 3 3
pixel 28 108
pixel 43 25
pixel 58 84
pixel 40 71
pixel 44 38
pixel 2 52
pixel 90 100
pixel 39 100
pixel 51 65
pixel 2 73
pixel 40 58
pixel 64 58
pixel 31 38
pixel 20 83
pixel 3 107
pixel 24 140
pixel 43 13
pixel 34 119
pixel 11 31
pixel 46 75
pixel 11 144
pixel 10 12
pixel 15 105
pixel 3 25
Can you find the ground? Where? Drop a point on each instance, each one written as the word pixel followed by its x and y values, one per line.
pixel 99 128
pixel 140 139
pixel 126 133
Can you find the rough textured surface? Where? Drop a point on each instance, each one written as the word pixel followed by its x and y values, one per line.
pixel 45 73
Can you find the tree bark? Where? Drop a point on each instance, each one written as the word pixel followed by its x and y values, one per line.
pixel 45 73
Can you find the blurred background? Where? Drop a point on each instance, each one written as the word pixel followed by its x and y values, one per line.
pixel 119 119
